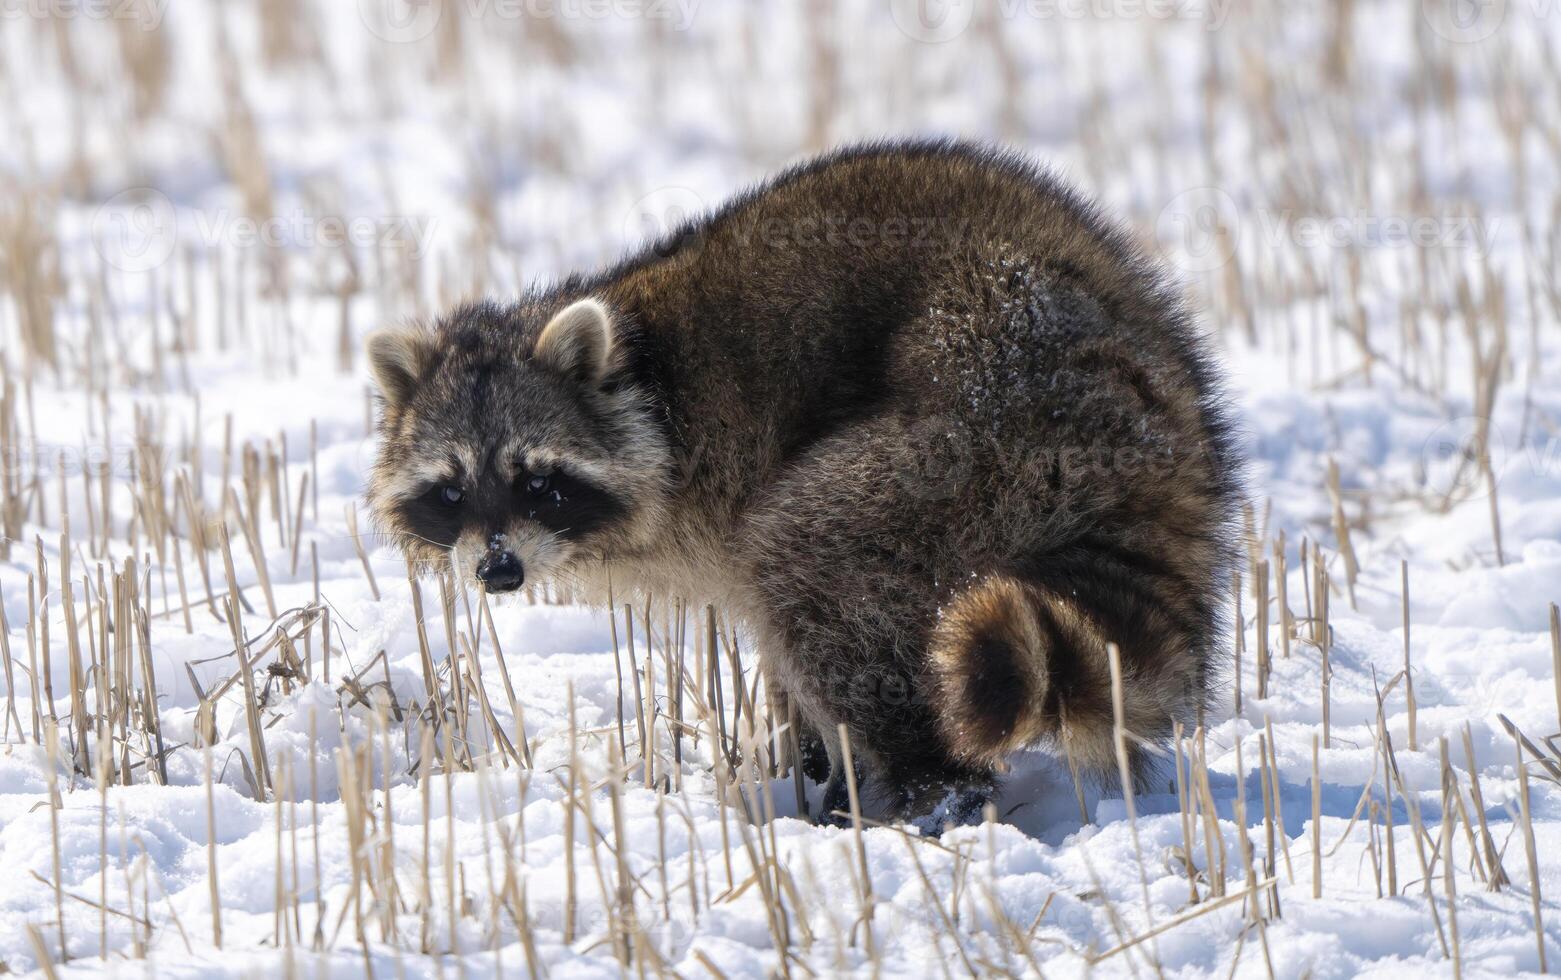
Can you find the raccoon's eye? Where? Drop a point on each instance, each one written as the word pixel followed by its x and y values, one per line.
pixel 451 496
pixel 538 485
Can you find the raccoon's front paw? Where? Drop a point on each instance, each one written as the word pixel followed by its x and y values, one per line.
pixel 834 809
pixel 960 808
pixel 815 757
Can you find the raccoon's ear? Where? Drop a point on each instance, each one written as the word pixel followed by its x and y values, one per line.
pixel 397 356
pixel 577 342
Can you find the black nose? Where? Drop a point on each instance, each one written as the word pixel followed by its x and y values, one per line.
pixel 501 571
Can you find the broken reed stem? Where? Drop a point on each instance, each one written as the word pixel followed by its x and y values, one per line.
pixel 1341 530
pixel 569 820
pixel 1409 674
pixel 1317 824
pixel 1124 764
pixel 1241 638
pixel 298 522
pixel 1498 874
pixel 1527 818
pixel 1279 806
pixel 52 733
pixel 357 546
pixel 211 856
pixel 257 745
pixel 866 881
pixel 1260 582
pixel 1184 804
pixel 248 522
pixel 1555 656
pixel 1282 594
pixel 1239 810
pixel 1387 798
pixel 617 663
pixel 1213 838
pixel 1326 645
pixel 1445 846
pixel 1266 790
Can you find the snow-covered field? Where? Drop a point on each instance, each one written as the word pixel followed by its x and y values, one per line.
pixel 205 205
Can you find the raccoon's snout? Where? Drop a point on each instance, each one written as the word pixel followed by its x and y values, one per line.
pixel 501 571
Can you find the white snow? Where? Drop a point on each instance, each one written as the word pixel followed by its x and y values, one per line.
pixel 582 150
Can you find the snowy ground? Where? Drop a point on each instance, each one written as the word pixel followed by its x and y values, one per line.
pixel 1340 189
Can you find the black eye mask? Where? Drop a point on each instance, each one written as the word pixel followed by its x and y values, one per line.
pixel 567 505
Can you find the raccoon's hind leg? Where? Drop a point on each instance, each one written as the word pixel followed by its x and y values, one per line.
pixel 1021 658
pixel 844 553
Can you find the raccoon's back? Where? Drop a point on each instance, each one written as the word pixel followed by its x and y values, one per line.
pixel 805 305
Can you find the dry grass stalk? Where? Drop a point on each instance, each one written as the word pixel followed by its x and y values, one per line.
pixel 1341 529
pixel 1241 639
pixel 33 274
pixel 1260 584
pixel 569 822
pixel 1279 807
pixel 617 663
pixel 1409 674
pixel 357 546
pixel 1385 745
pixel 1120 735
pixel 52 751
pixel 1184 805
pixel 1449 792
pixel 245 672
pixel 1526 819
pixel 10 678
pixel 1213 838
pixel 864 879
pixel 1326 646
pixel 1497 875
pixel 1555 655
pixel 1317 824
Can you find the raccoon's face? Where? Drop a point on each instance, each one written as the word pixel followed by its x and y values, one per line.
pixel 512 443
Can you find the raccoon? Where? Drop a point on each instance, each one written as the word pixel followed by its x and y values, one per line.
pixel 919 416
